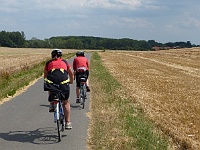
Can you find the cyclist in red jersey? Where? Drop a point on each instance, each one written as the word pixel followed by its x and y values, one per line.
pixel 79 62
pixel 56 71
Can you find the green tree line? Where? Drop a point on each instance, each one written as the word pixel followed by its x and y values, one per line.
pixel 17 39
pixel 12 39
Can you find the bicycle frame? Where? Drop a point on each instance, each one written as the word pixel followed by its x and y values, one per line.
pixel 55 96
pixel 59 116
pixel 58 110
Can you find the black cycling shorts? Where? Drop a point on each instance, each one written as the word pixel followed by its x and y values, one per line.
pixel 64 95
pixel 78 75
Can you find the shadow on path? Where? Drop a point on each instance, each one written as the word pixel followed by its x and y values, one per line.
pixel 38 136
pixel 76 106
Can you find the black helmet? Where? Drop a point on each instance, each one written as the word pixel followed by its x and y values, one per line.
pixel 80 53
pixel 56 52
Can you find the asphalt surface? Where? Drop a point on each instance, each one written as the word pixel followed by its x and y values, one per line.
pixel 26 124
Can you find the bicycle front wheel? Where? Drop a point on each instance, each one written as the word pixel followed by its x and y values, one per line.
pixel 58 129
pixel 58 122
pixel 83 102
pixel 83 96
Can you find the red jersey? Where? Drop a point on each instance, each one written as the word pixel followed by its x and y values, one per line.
pixel 80 61
pixel 57 64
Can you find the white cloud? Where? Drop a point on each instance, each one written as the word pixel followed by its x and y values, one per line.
pixel 59 4
pixel 114 4
pixel 7 9
pixel 137 22
pixel 7 22
pixel 8 6
pixel 67 5
pixel 191 21
pixel 131 23
pixel 171 28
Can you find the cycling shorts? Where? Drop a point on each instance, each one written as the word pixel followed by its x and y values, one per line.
pixel 63 97
pixel 78 75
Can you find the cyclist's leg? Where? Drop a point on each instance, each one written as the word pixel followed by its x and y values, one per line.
pixel 87 74
pixel 87 82
pixel 66 109
pixel 77 88
pixel 51 105
pixel 78 91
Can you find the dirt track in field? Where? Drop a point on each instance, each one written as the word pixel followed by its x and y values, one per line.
pixel 166 84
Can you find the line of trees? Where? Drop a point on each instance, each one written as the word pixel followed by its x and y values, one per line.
pixel 17 39
pixel 86 42
pixel 12 39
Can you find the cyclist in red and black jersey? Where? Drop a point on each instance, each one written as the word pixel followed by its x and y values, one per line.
pixel 79 62
pixel 59 72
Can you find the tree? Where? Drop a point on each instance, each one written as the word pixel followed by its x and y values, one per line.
pixel 12 39
pixel 188 44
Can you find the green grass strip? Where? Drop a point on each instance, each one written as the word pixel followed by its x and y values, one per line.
pixel 135 131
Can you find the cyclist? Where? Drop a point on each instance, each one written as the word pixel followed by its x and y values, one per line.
pixel 57 71
pixel 79 62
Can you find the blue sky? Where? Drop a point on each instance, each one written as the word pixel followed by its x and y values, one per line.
pixel 160 20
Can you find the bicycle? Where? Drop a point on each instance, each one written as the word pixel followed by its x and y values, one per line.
pixel 55 97
pixel 83 92
pixel 82 78
pixel 59 117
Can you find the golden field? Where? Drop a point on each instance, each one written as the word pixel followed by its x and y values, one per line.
pixel 15 59
pixel 166 85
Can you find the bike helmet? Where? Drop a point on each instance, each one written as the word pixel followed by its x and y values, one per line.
pixel 56 53
pixel 80 53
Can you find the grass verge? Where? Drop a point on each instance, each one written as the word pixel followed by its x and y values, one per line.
pixel 10 83
pixel 116 122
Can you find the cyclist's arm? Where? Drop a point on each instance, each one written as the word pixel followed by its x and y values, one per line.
pixel 45 73
pixel 87 63
pixel 74 65
pixel 71 76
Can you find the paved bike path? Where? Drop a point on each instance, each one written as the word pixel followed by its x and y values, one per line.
pixel 25 122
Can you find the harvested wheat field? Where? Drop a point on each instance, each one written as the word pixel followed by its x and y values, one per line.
pixel 16 59
pixel 166 84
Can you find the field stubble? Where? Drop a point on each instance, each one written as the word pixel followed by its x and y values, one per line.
pixel 166 85
pixel 15 59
